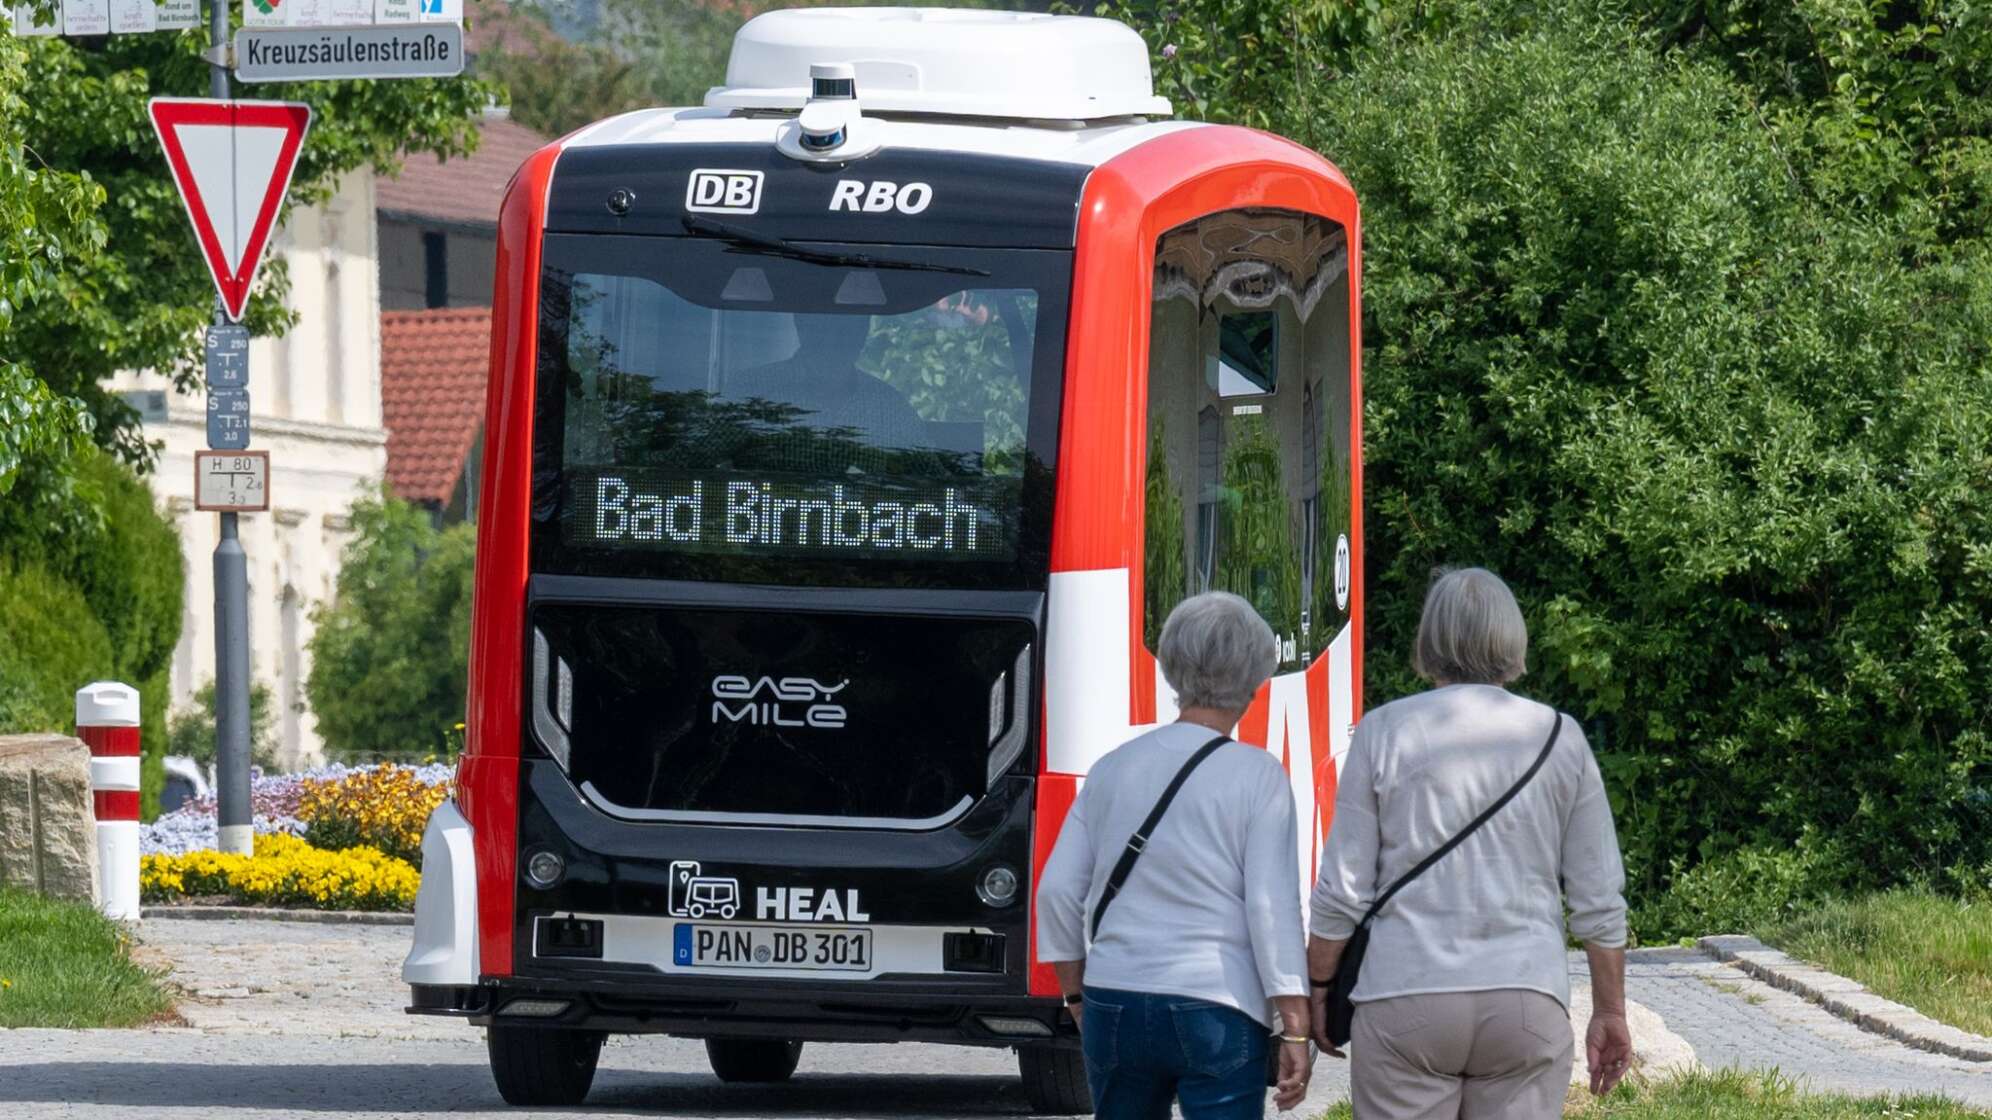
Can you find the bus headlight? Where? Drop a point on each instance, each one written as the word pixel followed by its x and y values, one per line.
pixel 544 869
pixel 998 886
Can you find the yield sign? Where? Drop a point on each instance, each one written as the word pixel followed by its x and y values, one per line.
pixel 232 161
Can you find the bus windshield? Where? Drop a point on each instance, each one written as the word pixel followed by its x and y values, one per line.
pixel 713 409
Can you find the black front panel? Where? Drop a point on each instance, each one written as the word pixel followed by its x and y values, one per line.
pixel 972 200
pixel 698 713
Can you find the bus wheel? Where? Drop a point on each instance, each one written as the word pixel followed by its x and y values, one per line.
pixel 1055 1080
pixel 542 1065
pixel 753 1059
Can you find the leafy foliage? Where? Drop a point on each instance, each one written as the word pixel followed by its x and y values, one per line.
pixel 191 733
pixel 47 223
pixel 1703 372
pixel 140 301
pixel 1729 441
pixel 53 646
pixel 641 54
pixel 99 534
pixel 391 653
pixel 638 54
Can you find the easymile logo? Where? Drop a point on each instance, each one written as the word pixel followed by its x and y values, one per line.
pixel 772 702
pixel 720 190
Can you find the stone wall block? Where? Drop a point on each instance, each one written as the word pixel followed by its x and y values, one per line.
pixel 48 825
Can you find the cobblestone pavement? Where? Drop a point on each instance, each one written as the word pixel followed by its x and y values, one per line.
pixel 298 1020
pixel 1733 1020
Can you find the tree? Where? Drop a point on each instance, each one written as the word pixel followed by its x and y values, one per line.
pixel 637 54
pixel 125 289
pixel 391 654
pixel 190 731
pixel 47 221
pixel 1638 343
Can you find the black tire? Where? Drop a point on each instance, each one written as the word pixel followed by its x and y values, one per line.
pixel 753 1060
pixel 542 1065
pixel 1055 1080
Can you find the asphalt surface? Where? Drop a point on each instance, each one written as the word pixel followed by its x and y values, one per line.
pixel 295 1020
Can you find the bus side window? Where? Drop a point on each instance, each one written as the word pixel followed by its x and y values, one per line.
pixel 1246 487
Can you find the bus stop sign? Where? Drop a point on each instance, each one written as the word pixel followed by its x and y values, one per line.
pixel 232 161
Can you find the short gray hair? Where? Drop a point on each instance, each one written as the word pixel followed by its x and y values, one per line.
pixel 1216 651
pixel 1471 631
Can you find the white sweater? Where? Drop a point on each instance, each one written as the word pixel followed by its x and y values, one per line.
pixel 1491 913
pixel 1212 909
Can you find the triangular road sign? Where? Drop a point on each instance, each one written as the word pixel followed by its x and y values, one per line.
pixel 232 161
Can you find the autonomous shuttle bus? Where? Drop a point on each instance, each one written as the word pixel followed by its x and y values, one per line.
pixel 848 439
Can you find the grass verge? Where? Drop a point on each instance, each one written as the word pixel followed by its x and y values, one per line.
pixel 1733 1095
pixel 1924 950
pixel 62 964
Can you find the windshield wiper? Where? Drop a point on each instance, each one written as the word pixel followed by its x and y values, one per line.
pixel 778 247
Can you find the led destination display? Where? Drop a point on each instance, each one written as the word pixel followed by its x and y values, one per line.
pixel 952 520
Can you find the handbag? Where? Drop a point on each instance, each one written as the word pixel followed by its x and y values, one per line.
pixel 1137 843
pixel 1341 1010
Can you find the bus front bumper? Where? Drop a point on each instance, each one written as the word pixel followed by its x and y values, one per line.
pixel 880 1011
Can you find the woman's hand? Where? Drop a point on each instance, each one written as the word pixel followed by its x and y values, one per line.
pixel 1296 1067
pixel 1317 1002
pixel 1607 1050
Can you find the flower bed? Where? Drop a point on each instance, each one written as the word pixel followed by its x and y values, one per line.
pixel 284 871
pixel 385 807
pixel 338 837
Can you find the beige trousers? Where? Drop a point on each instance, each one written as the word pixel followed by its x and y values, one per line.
pixel 1498 1055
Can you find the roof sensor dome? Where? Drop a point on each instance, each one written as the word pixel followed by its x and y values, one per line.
pixel 945 61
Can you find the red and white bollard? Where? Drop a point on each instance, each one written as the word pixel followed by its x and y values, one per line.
pixel 107 722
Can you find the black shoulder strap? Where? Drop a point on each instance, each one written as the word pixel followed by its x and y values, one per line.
pixel 1485 815
pixel 1125 865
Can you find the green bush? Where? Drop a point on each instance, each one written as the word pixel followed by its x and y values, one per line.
pixel 1743 891
pixel 390 656
pixel 54 646
pixel 190 731
pixel 101 533
pixel 1650 351
pixel 1730 444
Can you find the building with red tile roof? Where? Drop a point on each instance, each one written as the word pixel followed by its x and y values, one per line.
pixel 438 219
pixel 433 366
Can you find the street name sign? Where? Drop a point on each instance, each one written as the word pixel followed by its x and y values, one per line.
pixel 316 54
pixel 227 356
pixel 232 161
pixel 228 419
pixel 232 481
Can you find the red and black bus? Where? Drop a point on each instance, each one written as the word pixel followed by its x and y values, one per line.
pixel 848 439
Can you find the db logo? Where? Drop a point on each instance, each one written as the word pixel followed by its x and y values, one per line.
pixel 722 191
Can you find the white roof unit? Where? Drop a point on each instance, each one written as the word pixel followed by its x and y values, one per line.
pixel 946 61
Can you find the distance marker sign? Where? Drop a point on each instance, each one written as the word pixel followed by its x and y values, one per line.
pixel 232 161
pixel 232 481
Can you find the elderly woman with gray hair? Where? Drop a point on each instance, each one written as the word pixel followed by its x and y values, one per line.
pixel 1460 1002
pixel 1196 970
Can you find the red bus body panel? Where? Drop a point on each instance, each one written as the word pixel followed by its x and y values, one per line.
pixel 1129 202
pixel 488 777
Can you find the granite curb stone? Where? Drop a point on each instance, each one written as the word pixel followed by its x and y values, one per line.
pixel 1847 999
pixel 273 914
pixel 48 825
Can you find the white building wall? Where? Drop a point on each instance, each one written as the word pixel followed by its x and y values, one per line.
pixel 315 407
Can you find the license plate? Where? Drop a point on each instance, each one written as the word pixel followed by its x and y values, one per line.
pixel 808 948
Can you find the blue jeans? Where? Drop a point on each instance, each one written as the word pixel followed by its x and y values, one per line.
pixel 1143 1050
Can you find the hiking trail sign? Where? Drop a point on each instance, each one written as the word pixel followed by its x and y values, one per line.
pixel 232 161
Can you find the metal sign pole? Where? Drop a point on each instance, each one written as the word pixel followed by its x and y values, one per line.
pixel 231 586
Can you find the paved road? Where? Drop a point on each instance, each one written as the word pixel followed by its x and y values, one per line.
pixel 303 1022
